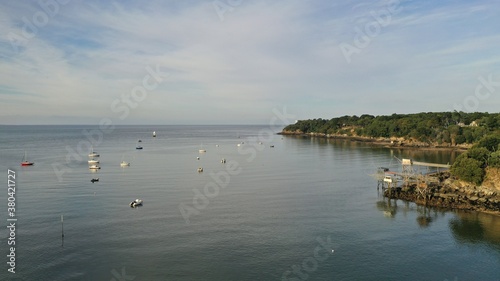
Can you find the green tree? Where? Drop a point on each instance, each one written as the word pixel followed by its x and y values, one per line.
pixel 468 169
pixel 480 154
pixel 489 142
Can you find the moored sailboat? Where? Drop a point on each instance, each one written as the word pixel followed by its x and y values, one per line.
pixel 25 161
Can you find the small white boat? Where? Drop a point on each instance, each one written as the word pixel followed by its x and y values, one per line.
pixel 223 160
pixel 124 164
pixel 94 167
pixel 93 154
pixel 93 161
pixel 200 170
pixel 154 134
pixel 135 203
pixel 202 150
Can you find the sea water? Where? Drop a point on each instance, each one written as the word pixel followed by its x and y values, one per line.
pixel 268 213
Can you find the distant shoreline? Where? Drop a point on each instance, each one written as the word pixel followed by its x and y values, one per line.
pixel 382 142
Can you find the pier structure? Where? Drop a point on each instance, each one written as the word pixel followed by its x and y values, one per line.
pixel 412 173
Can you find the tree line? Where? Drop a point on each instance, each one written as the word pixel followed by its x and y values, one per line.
pixel 439 128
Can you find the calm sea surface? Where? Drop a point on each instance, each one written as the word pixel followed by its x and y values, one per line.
pixel 268 213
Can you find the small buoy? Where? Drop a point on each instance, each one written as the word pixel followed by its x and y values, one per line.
pixel 197 158
pixel 333 251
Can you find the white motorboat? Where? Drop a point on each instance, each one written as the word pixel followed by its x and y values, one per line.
pixel 93 161
pixel 124 164
pixel 135 203
pixel 94 167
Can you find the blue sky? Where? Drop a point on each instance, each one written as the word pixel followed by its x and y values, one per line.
pixel 235 61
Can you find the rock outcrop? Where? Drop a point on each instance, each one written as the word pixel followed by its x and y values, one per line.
pixel 446 192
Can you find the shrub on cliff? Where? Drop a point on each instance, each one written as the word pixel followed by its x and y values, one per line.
pixel 468 169
pixel 494 160
pixel 480 154
pixel 490 142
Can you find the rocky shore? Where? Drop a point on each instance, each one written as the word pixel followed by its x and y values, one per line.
pixel 392 142
pixel 445 192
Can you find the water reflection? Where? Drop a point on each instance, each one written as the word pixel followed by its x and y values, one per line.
pixel 388 207
pixel 436 156
pixel 466 227
pixel 476 228
pixel 425 215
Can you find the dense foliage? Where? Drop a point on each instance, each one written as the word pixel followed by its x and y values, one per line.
pixel 436 128
pixel 470 166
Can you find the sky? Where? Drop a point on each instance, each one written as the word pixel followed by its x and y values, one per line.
pixel 241 61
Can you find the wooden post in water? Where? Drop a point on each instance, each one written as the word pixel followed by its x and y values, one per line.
pixel 62 230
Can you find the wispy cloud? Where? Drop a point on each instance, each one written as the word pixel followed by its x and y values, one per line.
pixel 264 53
